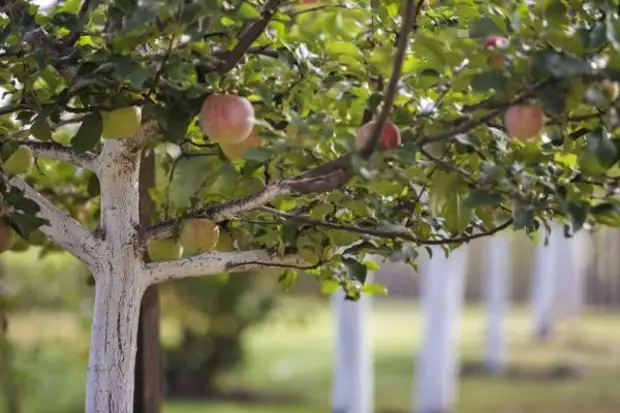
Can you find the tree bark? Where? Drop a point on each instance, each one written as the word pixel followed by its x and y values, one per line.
pixel 111 364
pixel 149 370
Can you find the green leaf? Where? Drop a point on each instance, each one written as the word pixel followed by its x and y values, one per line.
pixel 491 80
pixel 578 212
pixel 248 12
pixel 486 26
pixel 482 197
pixel 457 213
pixel 607 214
pixel 523 216
pixel 287 279
pixel 93 188
pixel 329 286
pixel 88 134
pixel 374 289
pixel 26 224
pixel 600 145
pixel 356 270
pixel 562 65
pixel 40 129
pixel 190 176
pixel 343 48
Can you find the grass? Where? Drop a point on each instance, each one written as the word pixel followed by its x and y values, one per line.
pixel 294 358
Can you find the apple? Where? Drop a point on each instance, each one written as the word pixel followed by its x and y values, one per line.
pixel 8 237
pixel 389 139
pixel 226 118
pixel 121 123
pixel 19 162
pixel 235 151
pixel 524 122
pixel 199 235
pixel 164 250
pixel 496 44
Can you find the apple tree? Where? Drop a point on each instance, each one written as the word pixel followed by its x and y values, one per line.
pixel 296 136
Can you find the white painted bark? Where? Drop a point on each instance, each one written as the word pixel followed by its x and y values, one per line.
pixel 352 382
pixel 213 263
pixel 544 279
pixel 61 152
pixel 113 343
pixel 437 364
pixel 62 228
pixel 121 280
pixel 497 296
pixel 574 275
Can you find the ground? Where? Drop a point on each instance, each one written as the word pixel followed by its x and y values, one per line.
pixel 291 360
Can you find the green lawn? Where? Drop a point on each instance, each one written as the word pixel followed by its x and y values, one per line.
pixel 292 358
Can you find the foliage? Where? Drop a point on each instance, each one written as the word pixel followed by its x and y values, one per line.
pixel 325 68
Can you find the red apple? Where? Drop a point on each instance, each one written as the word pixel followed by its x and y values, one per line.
pixel 496 44
pixel 524 122
pixel 226 118
pixel 389 139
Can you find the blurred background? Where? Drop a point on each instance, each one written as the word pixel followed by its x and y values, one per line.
pixel 241 344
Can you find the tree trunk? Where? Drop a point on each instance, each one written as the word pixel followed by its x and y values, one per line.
pixel 111 364
pixel 544 284
pixel 497 278
pixel 149 369
pixel 442 299
pixel 352 388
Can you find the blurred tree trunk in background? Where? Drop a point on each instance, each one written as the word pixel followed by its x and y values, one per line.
pixel 215 313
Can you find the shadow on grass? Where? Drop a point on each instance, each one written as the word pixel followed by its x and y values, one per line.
pixel 556 372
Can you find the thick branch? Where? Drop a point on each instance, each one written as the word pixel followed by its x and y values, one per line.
pixel 62 228
pixel 61 152
pixel 213 263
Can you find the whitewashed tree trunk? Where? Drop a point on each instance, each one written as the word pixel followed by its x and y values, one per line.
pixel 113 345
pixel 121 280
pixel 442 299
pixel 544 279
pixel 580 246
pixel 352 386
pixel 497 279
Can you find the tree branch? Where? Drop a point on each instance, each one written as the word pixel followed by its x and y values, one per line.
pixel 410 15
pixel 61 152
pixel 213 263
pixel 62 228
pixel 385 234
pixel 248 38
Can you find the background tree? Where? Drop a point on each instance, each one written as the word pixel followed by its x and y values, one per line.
pixel 254 112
